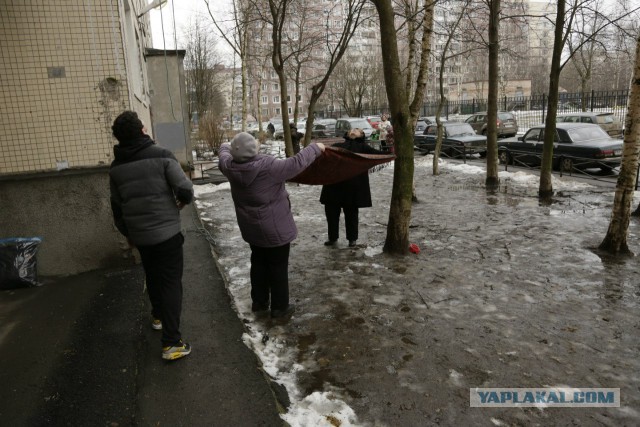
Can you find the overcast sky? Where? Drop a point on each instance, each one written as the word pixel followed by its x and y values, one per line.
pixel 184 11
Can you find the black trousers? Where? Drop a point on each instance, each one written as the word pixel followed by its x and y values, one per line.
pixel 163 264
pixel 332 213
pixel 270 275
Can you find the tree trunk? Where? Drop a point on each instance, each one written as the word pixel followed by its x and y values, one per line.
pixel 545 190
pixel 492 182
pixel 615 241
pixel 397 240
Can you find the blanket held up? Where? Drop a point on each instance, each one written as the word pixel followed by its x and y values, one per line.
pixel 336 164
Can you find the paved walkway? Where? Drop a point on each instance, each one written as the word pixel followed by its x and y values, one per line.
pixel 79 351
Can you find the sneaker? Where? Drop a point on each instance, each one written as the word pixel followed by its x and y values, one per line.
pixel 282 314
pixel 352 243
pixel 176 352
pixel 330 243
pixel 156 324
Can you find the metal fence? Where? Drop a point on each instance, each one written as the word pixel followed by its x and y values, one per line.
pixel 529 110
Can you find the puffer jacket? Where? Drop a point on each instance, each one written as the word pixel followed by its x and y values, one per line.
pixel 261 201
pixel 354 192
pixel 146 181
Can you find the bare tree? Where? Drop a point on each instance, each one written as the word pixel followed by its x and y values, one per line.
pixel 447 29
pixel 352 84
pixel 404 113
pixel 237 39
pixel 564 26
pixel 616 239
pixel 201 60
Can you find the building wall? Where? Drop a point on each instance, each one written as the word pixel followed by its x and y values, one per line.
pixel 168 102
pixel 71 212
pixel 64 77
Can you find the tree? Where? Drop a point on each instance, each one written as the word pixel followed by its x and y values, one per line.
pixel 564 27
pixel 237 39
pixel 447 30
pixel 615 241
pixel 352 85
pixel 201 60
pixel 492 180
pixel 404 113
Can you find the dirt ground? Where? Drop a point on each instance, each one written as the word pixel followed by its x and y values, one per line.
pixel 504 293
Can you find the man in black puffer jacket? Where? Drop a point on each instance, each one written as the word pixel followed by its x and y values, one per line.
pixel 148 189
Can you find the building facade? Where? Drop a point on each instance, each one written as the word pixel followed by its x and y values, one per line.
pixel 68 70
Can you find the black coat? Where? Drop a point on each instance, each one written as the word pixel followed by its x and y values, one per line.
pixel 354 192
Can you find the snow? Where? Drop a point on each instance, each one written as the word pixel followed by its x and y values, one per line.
pixel 502 287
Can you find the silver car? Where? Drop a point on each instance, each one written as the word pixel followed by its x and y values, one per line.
pixel 345 124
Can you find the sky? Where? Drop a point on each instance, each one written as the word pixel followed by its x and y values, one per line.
pixel 184 11
pixel 479 278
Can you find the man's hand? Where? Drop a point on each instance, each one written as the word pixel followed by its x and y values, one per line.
pixel 179 204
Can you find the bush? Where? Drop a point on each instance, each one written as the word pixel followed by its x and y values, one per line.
pixel 211 132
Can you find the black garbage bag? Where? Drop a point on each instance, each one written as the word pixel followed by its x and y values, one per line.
pixel 18 264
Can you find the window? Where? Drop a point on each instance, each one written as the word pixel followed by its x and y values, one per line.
pixel 277 112
pixel 288 98
pixel 533 135
pixel 265 87
pixel 299 98
pixel 272 74
pixel 275 86
pixel 276 98
pixel 290 110
pixel 265 112
pixel 265 99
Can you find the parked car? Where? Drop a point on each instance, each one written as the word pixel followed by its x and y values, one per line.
pixel 279 133
pixel 373 121
pixel 459 139
pixel 507 123
pixel 607 121
pixel 422 123
pixel 345 124
pixel 576 145
pixel 324 128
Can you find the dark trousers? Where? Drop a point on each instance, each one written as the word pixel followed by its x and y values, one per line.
pixel 270 275
pixel 350 221
pixel 163 264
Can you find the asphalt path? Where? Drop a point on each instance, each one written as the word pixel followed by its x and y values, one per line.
pixel 79 351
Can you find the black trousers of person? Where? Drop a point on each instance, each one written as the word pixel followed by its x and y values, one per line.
pixel 163 265
pixel 332 213
pixel 270 276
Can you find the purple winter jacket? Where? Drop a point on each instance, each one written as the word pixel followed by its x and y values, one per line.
pixel 259 195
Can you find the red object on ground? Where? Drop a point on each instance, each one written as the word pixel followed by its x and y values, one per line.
pixel 337 164
pixel 414 248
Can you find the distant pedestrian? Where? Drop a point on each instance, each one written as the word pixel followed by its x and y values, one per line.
pixel 347 196
pixel 263 211
pixel 296 136
pixel 384 126
pixel 148 189
pixel 271 129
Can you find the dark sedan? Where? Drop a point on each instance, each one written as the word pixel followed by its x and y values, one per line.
pixel 576 145
pixel 459 139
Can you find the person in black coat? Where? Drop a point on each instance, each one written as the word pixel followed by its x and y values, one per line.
pixel 296 136
pixel 349 195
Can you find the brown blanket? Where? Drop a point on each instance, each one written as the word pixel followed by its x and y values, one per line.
pixel 337 164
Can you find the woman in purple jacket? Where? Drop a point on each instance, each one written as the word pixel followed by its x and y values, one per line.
pixel 264 215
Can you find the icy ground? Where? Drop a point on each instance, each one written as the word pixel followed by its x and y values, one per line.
pixel 504 293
